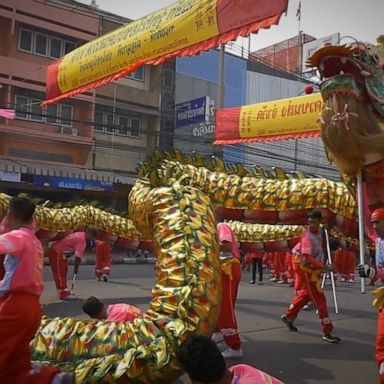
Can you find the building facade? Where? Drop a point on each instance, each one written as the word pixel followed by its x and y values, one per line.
pixel 99 136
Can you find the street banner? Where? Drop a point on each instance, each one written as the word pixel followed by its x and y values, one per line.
pixel 293 118
pixel 182 29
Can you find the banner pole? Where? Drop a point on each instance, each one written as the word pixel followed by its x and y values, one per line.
pixel 361 224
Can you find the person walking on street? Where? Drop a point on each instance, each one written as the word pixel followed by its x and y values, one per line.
pixel 257 264
pixel 311 255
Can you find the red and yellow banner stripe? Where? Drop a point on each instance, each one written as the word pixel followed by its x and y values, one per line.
pixel 181 29
pixel 292 118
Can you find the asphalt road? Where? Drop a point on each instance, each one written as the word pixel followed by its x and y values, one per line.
pixel 294 358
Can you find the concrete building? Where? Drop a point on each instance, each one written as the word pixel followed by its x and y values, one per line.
pixel 90 144
pixel 197 77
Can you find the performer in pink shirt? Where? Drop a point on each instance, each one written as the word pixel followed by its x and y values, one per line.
pixel 72 245
pixel 96 309
pixel 20 291
pixel 311 258
pixel 226 335
pixel 204 364
pixel 4 227
pixel 376 234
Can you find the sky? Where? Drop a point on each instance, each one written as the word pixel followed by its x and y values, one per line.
pixel 361 19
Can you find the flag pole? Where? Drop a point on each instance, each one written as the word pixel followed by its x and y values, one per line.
pixel 360 209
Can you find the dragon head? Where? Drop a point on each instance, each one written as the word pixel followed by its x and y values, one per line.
pixel 352 122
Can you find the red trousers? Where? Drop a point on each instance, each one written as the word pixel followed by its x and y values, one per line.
pixel 227 323
pixel 299 277
pixel 380 338
pixel 59 267
pixel 17 329
pixel 103 259
pixel 311 293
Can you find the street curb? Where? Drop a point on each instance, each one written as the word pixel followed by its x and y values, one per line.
pixel 119 260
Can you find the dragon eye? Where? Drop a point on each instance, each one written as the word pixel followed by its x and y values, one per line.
pixel 376 58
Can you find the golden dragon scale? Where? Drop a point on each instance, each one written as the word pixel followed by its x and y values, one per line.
pixel 173 207
pixel 185 297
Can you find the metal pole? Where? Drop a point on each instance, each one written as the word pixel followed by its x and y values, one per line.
pixel 220 90
pixel 331 272
pixel 361 224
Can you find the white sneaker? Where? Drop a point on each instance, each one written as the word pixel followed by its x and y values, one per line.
pixel 71 296
pixel 232 353
pixel 217 337
pixel 351 281
pixel 274 279
pixel 222 345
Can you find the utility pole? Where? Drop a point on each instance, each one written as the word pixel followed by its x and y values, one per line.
pixel 220 90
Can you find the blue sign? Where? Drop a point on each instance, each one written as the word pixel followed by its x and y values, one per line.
pixel 70 183
pixel 191 112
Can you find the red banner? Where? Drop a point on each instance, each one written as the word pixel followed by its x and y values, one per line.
pixel 293 118
pixel 182 29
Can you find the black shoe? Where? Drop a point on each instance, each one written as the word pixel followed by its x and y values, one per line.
pixel 252 282
pixel 331 338
pixel 288 323
pixel 105 278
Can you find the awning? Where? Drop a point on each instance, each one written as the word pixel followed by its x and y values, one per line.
pixel 32 168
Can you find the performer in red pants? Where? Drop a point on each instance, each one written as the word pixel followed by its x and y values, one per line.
pixel 20 291
pixel 376 233
pixel 226 330
pixel 103 260
pixel 72 245
pixel 311 263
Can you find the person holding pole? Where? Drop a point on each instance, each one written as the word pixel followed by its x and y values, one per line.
pixel 72 245
pixel 376 233
pixel 311 255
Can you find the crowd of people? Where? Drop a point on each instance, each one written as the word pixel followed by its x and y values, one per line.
pixel 21 285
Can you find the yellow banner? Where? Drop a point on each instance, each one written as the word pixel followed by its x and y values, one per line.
pixel 281 117
pixel 147 38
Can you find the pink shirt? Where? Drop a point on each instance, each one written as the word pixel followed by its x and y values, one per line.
pixel 23 262
pixel 74 242
pixel 225 233
pixel 122 312
pixel 245 374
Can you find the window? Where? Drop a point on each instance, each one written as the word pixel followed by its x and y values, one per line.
pixel 21 107
pixel 167 78
pixel 41 42
pixel 110 123
pixel 55 47
pixel 99 121
pixel 137 75
pixel 28 108
pixel 135 127
pixel 35 110
pixel 66 115
pixel 25 40
pixel 52 113
pixel 123 125
pixel 44 44
pixel 69 46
